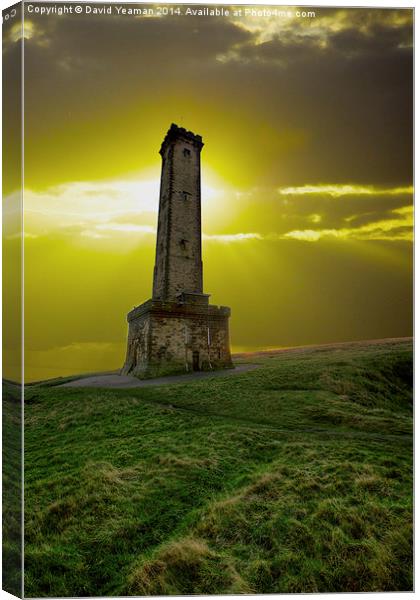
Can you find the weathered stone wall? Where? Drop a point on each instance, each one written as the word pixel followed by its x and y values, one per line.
pixel 167 337
pixel 178 265
pixel 161 270
pixel 138 346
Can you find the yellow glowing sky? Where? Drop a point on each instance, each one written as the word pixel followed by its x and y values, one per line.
pixel 306 168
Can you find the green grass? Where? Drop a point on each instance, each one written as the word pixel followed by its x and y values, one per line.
pixel 12 488
pixel 294 477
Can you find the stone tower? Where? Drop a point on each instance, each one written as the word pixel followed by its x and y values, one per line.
pixel 178 330
pixel 178 267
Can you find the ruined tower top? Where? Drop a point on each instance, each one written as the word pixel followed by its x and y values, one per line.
pixel 178 273
pixel 176 133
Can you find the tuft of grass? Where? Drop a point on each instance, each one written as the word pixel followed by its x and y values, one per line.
pixel 295 477
pixel 186 564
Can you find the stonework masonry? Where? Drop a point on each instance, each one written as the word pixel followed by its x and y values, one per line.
pixel 178 330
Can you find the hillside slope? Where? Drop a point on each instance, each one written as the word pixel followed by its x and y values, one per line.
pixel 294 477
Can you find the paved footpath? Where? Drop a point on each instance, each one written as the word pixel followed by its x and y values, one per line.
pixel 114 380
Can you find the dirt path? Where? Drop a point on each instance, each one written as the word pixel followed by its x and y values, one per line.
pixel 123 381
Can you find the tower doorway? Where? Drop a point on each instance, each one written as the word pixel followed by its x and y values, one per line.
pixel 196 360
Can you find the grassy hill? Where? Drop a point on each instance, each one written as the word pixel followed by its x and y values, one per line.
pixel 294 477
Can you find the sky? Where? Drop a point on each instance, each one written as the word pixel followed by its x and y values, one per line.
pixel 306 174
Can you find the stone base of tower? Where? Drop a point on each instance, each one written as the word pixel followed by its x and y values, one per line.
pixel 167 338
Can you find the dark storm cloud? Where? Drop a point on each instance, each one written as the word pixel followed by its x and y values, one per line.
pixel 348 44
pixel 132 44
pixel 350 90
pixel 318 212
pixel 376 41
pixel 86 61
pixel 334 95
pixel 336 212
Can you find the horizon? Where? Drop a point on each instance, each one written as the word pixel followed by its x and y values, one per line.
pixel 237 354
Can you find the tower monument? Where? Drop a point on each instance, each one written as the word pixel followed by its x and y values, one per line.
pixel 177 330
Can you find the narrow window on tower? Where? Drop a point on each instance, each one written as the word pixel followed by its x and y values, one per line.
pixel 187 153
pixel 185 195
